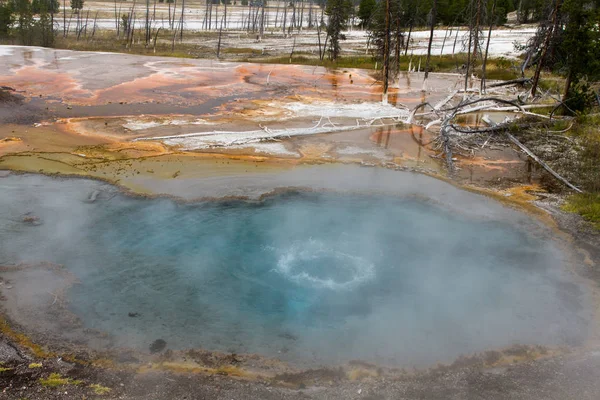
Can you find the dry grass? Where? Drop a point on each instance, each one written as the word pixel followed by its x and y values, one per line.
pixel 99 389
pixel 22 340
pixel 587 205
pixel 56 380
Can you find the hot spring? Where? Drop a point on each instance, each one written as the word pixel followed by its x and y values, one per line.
pixel 305 276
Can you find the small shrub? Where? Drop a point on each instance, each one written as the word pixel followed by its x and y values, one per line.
pixel 587 205
pixel 505 63
pixel 99 389
pixel 581 98
pixel 55 380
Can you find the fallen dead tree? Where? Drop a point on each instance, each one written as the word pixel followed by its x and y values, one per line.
pixel 543 164
pixel 519 81
pixel 454 137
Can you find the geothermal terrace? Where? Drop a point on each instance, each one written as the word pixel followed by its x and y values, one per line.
pixel 275 223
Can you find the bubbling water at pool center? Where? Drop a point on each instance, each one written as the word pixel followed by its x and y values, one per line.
pixel 307 277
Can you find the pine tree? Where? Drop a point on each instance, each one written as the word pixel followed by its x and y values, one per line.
pixel 49 6
pixel 533 10
pixel 338 12
pixel 378 32
pixel 25 22
pixel 7 18
pixel 568 42
pixel 579 48
pixel 44 28
pixel 77 5
pixel 366 8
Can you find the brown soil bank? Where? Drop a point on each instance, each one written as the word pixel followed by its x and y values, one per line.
pixel 573 376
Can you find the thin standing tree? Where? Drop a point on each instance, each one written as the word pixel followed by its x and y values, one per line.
pixel 431 32
pixel 548 37
pixel 182 11
pixel 487 47
pixel 386 53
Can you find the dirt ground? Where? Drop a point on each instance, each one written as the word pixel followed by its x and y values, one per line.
pixel 572 376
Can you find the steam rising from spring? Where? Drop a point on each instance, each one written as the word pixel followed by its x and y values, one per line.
pixel 307 277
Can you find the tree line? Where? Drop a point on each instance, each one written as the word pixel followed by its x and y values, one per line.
pixel 17 21
pixel 567 40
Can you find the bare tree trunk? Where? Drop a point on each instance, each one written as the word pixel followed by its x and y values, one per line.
pixel 94 29
pixel 468 66
pixel 170 26
pixel 398 41
pixel 386 53
pixel 173 39
pixel 301 16
pixel 219 42
pixel 249 14
pixel 79 27
pixel 455 40
pixel 540 65
pixel 147 24
pixel 69 24
pixel 173 15
pixel 182 10
pixel 543 164
pixel 487 48
pixel 476 31
pixel 132 30
pixel 408 38
pixel 325 47
pixel 87 17
pixel 433 16
pixel 216 16
pixel 568 83
pixel 119 15
pixel 65 18
pixel 155 38
pixel 319 38
pixel 77 24
pixel 446 35
pixel 293 48
pixel 117 24
pixel 320 23
pixel 284 17
pixel 293 24
pixel 266 20
pixel 225 14
pixel 255 20
pixel 262 20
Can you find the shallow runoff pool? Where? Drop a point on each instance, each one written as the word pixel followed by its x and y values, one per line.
pixel 318 277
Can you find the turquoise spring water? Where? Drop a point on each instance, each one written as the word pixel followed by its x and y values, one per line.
pixel 307 277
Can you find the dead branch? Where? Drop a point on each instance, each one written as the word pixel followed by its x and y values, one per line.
pixel 414 111
pixel 494 99
pixel 445 135
pixel 445 101
pixel 532 155
pixel 519 81
pixel 543 164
